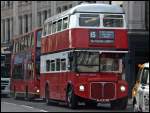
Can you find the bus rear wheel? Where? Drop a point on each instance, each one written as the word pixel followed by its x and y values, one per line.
pixel 27 95
pixel 71 98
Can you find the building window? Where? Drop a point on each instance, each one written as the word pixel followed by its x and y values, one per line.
pixel 8 30
pixel 8 4
pixel 147 15
pixel 49 13
pixel 58 10
pixel 39 18
pixel 65 8
pixel 70 6
pixel 26 23
pixel 45 15
pixel 2 4
pixel 20 25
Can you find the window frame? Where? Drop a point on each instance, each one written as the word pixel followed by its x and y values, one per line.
pixel 123 20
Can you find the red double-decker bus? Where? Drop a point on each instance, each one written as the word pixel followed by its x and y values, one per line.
pixel 25 65
pixel 82 52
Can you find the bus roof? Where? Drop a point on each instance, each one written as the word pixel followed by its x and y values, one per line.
pixel 89 8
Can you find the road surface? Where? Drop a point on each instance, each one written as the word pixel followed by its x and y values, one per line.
pixel 11 105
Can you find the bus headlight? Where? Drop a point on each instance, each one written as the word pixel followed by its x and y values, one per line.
pixel 81 88
pixel 122 88
pixel 37 90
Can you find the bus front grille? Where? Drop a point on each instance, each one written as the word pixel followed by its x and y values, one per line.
pixel 102 90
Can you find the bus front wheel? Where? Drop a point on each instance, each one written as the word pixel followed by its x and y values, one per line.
pixel 71 98
pixel 14 93
pixel 119 104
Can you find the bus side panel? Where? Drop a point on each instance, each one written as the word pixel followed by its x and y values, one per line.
pixel 51 79
pixel 121 39
pixel 42 85
pixel 55 42
pixel 81 39
pixel 19 85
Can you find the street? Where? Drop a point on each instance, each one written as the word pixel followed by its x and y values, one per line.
pixel 11 105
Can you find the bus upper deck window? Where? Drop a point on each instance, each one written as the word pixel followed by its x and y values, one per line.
pixel 65 23
pixel 91 20
pixel 113 21
pixel 54 27
pixel 44 30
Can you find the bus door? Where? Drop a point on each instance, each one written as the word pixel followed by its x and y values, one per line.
pixel 63 78
pixel 29 77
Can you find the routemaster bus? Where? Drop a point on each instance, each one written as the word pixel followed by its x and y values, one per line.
pixel 82 51
pixel 25 65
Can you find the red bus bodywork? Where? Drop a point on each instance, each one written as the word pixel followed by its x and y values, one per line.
pixel 58 82
pixel 96 86
pixel 26 83
pixel 79 38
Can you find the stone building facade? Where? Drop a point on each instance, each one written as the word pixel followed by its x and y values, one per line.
pixel 18 17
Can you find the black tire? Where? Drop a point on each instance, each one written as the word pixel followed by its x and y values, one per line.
pixel 120 104
pixel 72 101
pixel 15 94
pixel 47 95
pixel 91 104
pixel 27 97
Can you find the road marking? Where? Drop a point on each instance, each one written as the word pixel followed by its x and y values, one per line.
pixel 9 103
pixel 43 111
pixel 25 106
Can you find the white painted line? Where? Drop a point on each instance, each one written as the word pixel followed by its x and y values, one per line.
pixel 9 103
pixel 24 106
pixel 43 111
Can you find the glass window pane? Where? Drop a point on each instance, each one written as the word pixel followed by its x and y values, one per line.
pixel 87 61
pixel 49 28
pixel 109 63
pixel 47 65
pixel 90 20
pixel 65 23
pixel 63 64
pixel 57 64
pixel 59 25
pixel 39 33
pixel 145 76
pixel 52 65
pixel 44 30
pixel 32 40
pixel 113 21
pixel 54 27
